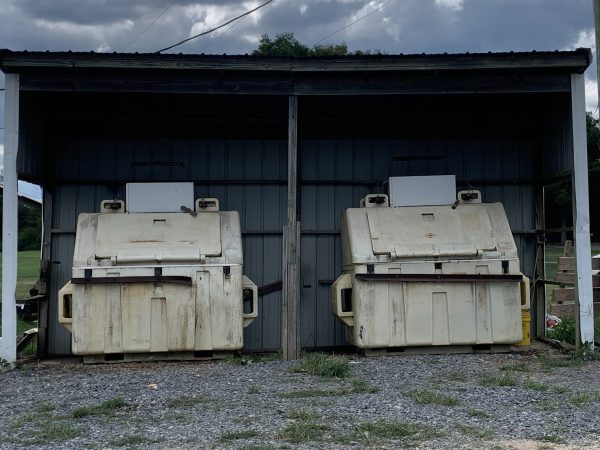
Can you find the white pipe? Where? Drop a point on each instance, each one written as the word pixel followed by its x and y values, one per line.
pixel 581 214
pixel 8 344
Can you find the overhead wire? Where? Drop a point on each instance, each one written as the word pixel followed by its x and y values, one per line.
pixel 164 11
pixel 381 5
pixel 208 44
pixel 204 33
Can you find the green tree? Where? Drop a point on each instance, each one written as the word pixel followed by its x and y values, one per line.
pixel 285 44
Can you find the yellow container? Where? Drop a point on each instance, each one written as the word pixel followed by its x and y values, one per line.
pixel 526 319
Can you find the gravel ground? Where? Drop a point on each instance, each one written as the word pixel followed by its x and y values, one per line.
pixel 446 401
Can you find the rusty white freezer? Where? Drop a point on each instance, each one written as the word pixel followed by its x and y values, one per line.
pixel 157 282
pixel 429 275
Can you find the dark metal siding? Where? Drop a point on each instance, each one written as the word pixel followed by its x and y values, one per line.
pixel 249 176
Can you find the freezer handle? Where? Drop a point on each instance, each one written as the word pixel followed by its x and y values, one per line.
pixel 525 293
pixel 65 304
pixel 248 285
pixel 337 293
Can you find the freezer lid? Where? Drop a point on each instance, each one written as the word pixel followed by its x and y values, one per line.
pixel 428 231
pixel 165 237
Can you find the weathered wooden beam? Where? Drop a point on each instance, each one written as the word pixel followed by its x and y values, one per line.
pixel 8 341
pixel 563 310
pixel 294 84
pixel 43 309
pixel 569 294
pixel 539 315
pixel 568 263
pixel 290 322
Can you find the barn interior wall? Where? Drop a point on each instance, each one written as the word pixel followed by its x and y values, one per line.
pixel 91 161
pixel 335 174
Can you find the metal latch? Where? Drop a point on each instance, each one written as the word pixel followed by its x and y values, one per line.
pixel 370 268
pixel 227 272
pixel 158 274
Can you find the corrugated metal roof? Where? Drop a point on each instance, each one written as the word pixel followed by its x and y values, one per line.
pixel 566 61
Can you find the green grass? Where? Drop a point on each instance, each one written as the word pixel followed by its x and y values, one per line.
pixel 302 414
pixel 517 367
pixel 410 433
pixel 363 387
pixel 108 408
pixel 427 397
pixel 505 379
pixel 323 365
pixel 28 270
pixel 235 435
pixel 303 431
pixel 584 399
pixel 253 390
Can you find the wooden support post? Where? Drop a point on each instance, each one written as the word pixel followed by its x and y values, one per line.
pixel 581 214
pixel 8 342
pixel 290 320
pixel 42 336
pixel 540 264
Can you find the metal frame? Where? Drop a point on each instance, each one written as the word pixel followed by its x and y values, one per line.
pixel 8 341
pixel 581 214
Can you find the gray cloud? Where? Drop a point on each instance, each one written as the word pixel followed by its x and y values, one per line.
pixel 402 26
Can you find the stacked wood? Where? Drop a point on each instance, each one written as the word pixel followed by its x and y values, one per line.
pixel 564 298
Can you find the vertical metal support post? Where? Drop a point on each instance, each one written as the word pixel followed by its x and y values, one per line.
pixel 8 342
pixel 540 263
pixel 581 214
pixel 290 324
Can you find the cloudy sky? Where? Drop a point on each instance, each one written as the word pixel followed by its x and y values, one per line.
pixel 392 26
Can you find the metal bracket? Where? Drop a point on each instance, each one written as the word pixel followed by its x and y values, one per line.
pixel 227 272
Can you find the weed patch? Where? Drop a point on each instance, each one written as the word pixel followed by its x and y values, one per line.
pixel 245 360
pixel 253 390
pixel 518 367
pixel 300 431
pixel 478 413
pixel 108 408
pixel 302 414
pixel 584 399
pixel 477 432
pixel 548 362
pixel 323 365
pixel 427 397
pixel 363 387
pixel 183 402
pixel 309 393
pixel 410 433
pixel 553 438
pixel 505 379
pixel 456 376
pixel 54 431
